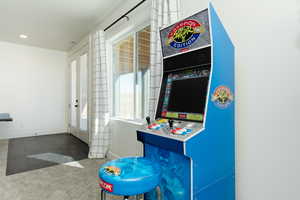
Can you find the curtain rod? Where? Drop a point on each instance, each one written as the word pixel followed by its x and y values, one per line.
pixel 125 15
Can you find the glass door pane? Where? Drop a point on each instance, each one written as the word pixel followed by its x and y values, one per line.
pixel 83 91
pixel 78 119
pixel 73 100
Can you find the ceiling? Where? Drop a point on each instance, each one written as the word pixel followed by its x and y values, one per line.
pixel 51 24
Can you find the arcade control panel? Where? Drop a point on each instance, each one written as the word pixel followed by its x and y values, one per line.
pixel 175 129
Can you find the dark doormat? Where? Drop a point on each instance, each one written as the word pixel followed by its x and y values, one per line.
pixel 30 153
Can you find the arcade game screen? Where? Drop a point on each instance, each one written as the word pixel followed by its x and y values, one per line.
pixel 191 100
pixel 185 95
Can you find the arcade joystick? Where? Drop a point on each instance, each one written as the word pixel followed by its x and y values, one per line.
pixel 171 123
pixel 148 120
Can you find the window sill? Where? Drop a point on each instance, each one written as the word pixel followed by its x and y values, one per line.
pixel 130 121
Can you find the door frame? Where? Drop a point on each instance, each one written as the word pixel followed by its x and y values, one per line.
pixel 82 135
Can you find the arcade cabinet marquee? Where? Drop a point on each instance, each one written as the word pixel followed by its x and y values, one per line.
pixel 192 135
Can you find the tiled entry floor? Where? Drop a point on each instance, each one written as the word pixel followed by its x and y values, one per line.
pixel 30 153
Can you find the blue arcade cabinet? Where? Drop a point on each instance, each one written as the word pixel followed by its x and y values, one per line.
pixel 193 134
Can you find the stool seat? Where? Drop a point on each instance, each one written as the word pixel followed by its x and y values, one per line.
pixel 129 176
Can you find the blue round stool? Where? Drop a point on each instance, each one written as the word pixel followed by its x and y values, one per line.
pixel 132 176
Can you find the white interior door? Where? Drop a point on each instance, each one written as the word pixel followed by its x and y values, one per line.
pixel 79 97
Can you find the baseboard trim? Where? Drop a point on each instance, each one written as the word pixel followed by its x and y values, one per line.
pixel 36 133
pixel 112 156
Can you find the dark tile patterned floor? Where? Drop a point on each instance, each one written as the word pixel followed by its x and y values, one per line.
pixel 30 153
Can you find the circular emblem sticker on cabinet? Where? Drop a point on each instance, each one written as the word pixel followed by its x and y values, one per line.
pixel 222 97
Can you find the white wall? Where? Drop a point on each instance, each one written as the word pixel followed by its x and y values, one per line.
pixel 124 140
pixel 32 90
pixel 266 35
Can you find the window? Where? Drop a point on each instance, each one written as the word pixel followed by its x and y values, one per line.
pixel 131 62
